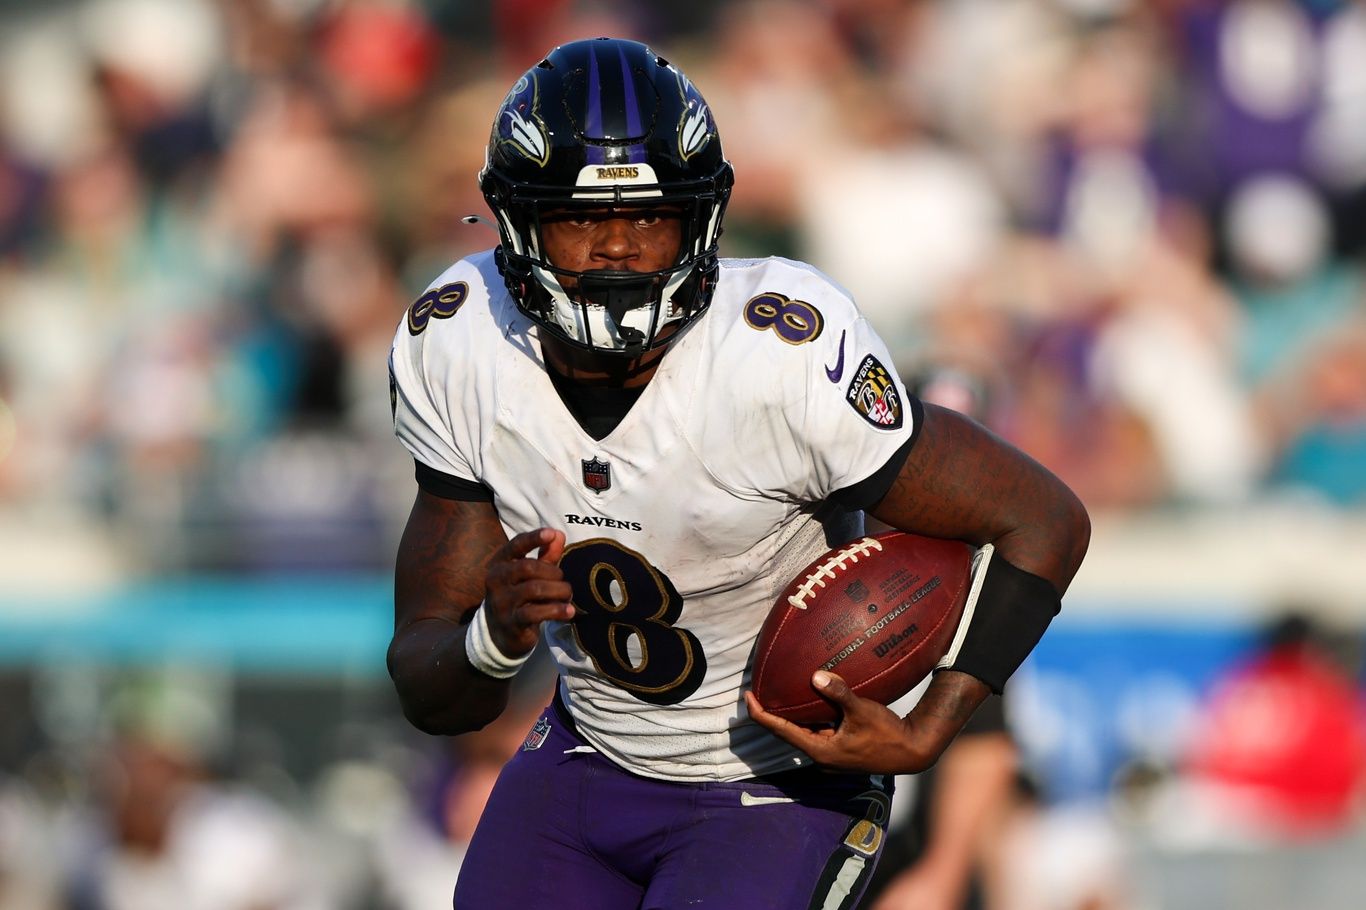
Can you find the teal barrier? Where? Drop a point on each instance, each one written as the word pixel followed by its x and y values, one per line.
pixel 288 624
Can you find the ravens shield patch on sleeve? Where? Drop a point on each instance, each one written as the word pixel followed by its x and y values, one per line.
pixel 873 394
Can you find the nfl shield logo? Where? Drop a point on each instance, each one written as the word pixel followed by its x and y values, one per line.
pixel 536 738
pixel 597 475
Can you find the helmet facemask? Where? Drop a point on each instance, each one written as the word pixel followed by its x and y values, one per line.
pixel 610 312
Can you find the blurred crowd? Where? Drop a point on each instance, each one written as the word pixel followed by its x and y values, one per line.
pixel 1128 235
pixel 186 789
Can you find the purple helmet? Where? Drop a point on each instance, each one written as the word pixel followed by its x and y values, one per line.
pixel 606 123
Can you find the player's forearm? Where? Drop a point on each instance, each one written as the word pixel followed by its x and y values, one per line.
pixel 438 689
pixel 939 716
pixel 439 577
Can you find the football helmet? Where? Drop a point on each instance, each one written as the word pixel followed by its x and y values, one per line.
pixel 606 124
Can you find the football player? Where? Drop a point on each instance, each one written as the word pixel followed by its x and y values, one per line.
pixel 627 446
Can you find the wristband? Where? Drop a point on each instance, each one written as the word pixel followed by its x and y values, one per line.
pixel 1007 612
pixel 484 655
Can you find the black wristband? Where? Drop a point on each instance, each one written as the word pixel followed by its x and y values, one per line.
pixel 1012 612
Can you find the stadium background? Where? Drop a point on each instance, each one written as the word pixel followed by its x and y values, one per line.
pixel 1127 235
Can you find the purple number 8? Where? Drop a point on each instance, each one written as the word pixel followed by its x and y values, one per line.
pixel 439 303
pixel 794 321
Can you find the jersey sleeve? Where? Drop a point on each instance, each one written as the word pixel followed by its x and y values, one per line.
pixel 859 422
pixel 813 407
pixel 434 398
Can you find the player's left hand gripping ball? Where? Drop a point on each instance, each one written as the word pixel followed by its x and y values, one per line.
pixel 869 737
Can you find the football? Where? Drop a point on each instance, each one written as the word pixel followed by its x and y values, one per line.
pixel 880 612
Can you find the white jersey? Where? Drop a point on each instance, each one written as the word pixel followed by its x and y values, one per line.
pixel 687 520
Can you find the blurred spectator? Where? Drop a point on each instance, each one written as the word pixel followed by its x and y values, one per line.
pixel 1251 78
pixel 378 57
pixel 907 220
pixel 1166 351
pixel 1105 177
pixel 985 74
pixel 165 834
pixel 1320 418
pixel 1058 857
pixel 1293 292
pixel 152 61
pixel 29 873
pixel 288 172
pixel 934 852
pixel 1281 749
pixel 783 76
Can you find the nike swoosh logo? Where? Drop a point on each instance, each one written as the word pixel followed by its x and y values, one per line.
pixel 749 799
pixel 838 371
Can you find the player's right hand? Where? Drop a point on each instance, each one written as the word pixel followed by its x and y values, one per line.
pixel 521 592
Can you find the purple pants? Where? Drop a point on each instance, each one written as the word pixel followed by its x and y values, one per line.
pixel 570 830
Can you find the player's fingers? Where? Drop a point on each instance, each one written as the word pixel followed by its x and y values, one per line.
pixel 521 546
pixel 815 743
pixel 553 549
pixel 540 590
pixel 533 614
pixel 779 725
pixel 519 571
pixel 772 722
pixel 759 714
pixel 831 686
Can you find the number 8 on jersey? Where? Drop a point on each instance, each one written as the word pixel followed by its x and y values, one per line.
pixel 621 601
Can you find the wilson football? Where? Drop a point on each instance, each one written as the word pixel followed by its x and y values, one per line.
pixel 880 612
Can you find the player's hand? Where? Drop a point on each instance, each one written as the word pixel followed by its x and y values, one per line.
pixel 521 592
pixel 870 737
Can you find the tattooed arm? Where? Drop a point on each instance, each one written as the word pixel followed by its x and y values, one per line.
pixel 959 482
pixel 453 556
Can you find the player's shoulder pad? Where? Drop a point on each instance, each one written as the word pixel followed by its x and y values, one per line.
pixel 779 317
pixel 451 321
pixel 790 279
pixel 455 312
pixel 459 291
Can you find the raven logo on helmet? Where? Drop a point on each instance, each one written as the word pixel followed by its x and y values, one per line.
pixel 519 123
pixel 696 127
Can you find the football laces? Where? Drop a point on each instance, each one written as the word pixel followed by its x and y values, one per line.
pixel 830 568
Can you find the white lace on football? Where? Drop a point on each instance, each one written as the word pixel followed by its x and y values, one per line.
pixel 829 568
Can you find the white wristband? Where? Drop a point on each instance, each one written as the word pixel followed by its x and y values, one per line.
pixel 484 655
